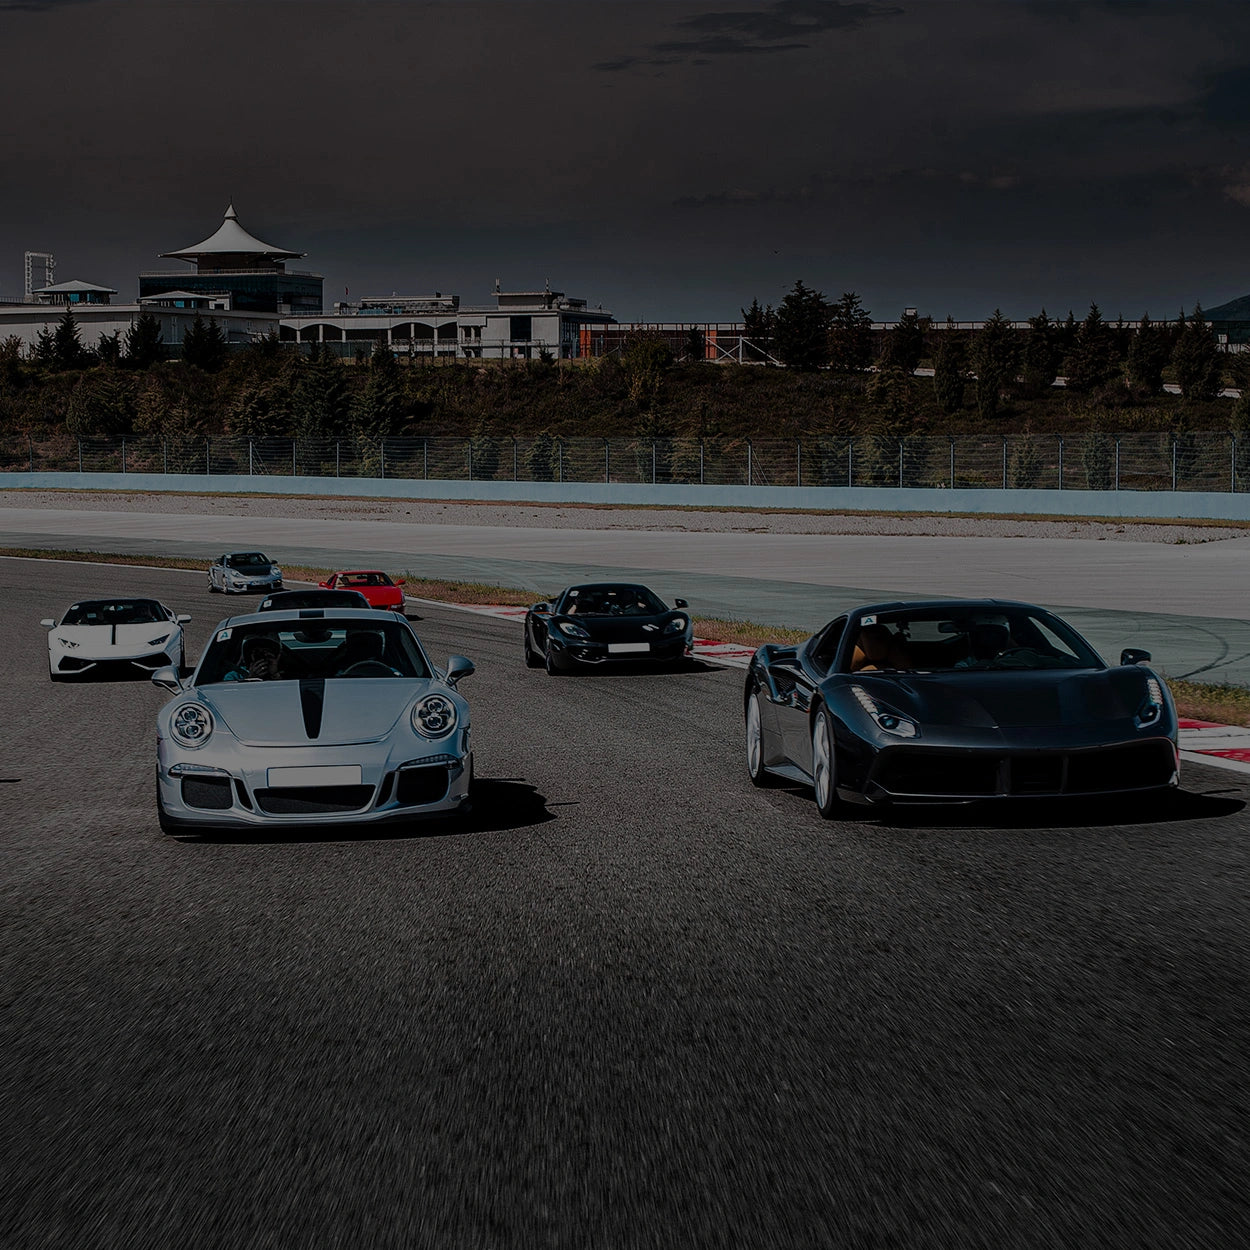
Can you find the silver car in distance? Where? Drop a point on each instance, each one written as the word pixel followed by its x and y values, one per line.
pixel 312 717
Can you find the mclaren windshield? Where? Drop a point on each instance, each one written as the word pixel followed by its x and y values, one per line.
pixel 315 648
pixel 965 638
pixel 622 600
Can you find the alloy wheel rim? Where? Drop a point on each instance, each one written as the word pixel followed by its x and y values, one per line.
pixel 754 743
pixel 821 762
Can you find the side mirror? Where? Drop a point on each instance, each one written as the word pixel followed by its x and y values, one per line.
pixel 1132 655
pixel 399 581
pixel 458 666
pixel 325 586
pixel 680 603
pixel 167 678
pixel 538 607
pixel 183 618
pixel 48 624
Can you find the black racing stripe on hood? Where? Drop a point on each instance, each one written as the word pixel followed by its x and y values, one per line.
pixel 312 697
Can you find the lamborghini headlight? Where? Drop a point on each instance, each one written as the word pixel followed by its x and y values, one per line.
pixel 434 716
pixel 159 642
pixel 677 625
pixel 573 630
pixel 191 725
pixel 68 643
pixel 886 717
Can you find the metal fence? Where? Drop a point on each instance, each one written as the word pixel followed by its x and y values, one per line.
pixel 1092 461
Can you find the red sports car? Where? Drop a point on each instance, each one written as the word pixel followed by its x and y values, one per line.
pixel 376 587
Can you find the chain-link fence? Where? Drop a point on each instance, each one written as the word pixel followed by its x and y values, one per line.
pixel 1090 461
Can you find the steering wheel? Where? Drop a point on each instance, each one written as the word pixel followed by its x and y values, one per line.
pixel 369 668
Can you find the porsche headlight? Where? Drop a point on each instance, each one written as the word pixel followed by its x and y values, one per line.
pixel 573 630
pixel 885 717
pixel 191 725
pixel 434 716
pixel 1152 707
pixel 677 625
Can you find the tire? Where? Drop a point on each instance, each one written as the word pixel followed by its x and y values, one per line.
pixel 532 658
pixel 825 766
pixel 553 669
pixel 754 729
pixel 212 585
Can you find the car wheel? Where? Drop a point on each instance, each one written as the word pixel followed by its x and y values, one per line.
pixel 553 669
pixel 759 775
pixel 212 585
pixel 532 658
pixel 824 766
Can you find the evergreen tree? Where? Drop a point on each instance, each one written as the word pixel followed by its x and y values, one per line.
pixel 204 345
pixel 378 407
pixel 758 325
pixel 904 345
pixel 1098 456
pixel 319 407
pixel 67 349
pixel 485 452
pixel 1196 359
pixel 1025 466
pixel 993 360
pixel 801 330
pixel 1090 362
pixel 1147 355
pixel 850 335
pixel 100 405
pixel 109 348
pixel 1039 358
pixel 144 345
pixel 43 350
pixel 950 371
pixel 1239 428
pixel 696 346
pixel 540 459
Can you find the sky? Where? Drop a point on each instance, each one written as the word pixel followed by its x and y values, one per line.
pixel 665 159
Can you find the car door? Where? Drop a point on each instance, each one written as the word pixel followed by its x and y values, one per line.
pixel 796 682
pixel 539 625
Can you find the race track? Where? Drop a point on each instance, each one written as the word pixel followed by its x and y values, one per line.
pixel 637 1004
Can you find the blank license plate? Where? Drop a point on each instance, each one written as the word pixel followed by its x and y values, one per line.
pixel 621 648
pixel 326 775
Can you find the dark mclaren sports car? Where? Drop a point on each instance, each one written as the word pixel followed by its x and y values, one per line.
pixel 956 701
pixel 604 623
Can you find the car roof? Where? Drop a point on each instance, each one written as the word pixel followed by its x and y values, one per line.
pixel 621 585
pixel 895 605
pixel 345 572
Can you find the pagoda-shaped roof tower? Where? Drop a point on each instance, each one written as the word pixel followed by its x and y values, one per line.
pixel 232 248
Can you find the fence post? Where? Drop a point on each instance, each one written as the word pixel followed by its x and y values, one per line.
pixel 1173 461
pixel 382 444
pixel 469 445
pixel 750 465
pixel 900 463
pixel 249 457
pixel 123 455
pixel 1232 469
pixel 425 458
pixel 653 462
pixel 294 461
pixel 208 457
pixel 700 462
pixel 30 446
pixel 165 456
pixel 952 462
pixel 560 457
pixel 80 455
pixel 798 462
pixel 1117 464
pixel 607 460
pixel 1061 462
pixel 1004 462
pixel 850 462
pixel 514 476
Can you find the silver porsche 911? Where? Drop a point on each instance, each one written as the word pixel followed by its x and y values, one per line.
pixel 315 716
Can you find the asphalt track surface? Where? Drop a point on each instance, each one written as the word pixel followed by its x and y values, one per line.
pixel 638 1003
pixel 1187 605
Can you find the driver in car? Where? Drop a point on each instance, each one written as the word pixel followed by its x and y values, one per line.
pixel 260 659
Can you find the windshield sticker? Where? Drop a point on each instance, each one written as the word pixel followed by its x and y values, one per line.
pixel 223 635
pixel 868 620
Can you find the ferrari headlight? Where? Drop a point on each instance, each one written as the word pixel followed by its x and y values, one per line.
pixel 434 716
pixel 573 630
pixel 885 717
pixel 1152 708
pixel 191 725
pixel 677 625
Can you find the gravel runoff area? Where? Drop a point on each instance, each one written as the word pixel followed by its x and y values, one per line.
pixel 611 517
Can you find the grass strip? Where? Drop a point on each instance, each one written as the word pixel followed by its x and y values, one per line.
pixel 1225 704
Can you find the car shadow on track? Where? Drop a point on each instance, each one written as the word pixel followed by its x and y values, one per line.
pixel 499 804
pixel 618 668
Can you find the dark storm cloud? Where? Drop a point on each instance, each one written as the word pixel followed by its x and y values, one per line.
pixel 785 26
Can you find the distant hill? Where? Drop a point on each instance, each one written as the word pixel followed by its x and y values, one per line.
pixel 1234 310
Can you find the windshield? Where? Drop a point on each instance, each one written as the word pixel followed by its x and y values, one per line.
pixel 611 601
pixel 290 650
pixel 290 600
pixel 247 560
pixel 116 612
pixel 960 639
pixel 364 579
